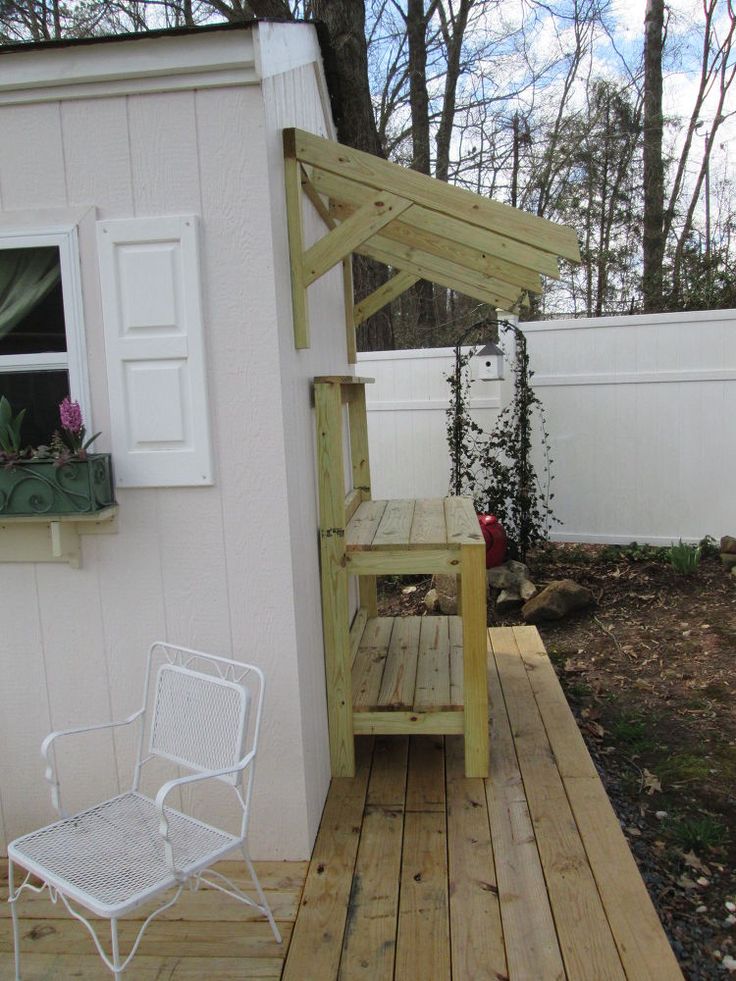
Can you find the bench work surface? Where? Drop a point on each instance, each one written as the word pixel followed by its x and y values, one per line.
pixel 420 872
pixel 409 524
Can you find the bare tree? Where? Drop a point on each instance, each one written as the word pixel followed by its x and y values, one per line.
pixel 653 238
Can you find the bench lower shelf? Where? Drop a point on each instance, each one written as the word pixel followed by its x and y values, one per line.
pixel 407 675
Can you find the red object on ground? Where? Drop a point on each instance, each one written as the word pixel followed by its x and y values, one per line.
pixel 495 538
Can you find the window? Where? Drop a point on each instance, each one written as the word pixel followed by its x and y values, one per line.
pixel 42 356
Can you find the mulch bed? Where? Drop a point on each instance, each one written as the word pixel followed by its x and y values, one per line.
pixel 650 674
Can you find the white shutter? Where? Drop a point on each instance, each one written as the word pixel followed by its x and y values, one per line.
pixel 154 342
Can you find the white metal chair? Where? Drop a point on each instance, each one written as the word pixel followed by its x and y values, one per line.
pixel 200 712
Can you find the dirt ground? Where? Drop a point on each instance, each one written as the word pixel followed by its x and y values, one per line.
pixel 650 673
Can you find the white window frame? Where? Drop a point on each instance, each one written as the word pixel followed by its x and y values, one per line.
pixel 74 359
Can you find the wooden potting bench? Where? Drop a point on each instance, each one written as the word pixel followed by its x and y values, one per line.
pixel 394 675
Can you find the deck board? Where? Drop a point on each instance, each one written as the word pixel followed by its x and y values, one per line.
pixel 584 935
pixel 524 876
pixel 206 934
pixel 409 664
pixel 477 947
pixel 420 872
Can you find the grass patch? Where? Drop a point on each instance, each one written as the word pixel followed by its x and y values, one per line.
pixel 578 690
pixel 557 657
pixel 684 558
pixel 632 732
pixel 634 552
pixel 684 767
pixel 697 833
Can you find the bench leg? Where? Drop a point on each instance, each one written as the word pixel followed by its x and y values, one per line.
pixel 475 676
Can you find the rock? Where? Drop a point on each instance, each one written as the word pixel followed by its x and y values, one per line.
pixel 446 587
pixel 527 590
pixel 728 559
pixel 507 576
pixel 733 571
pixel 431 600
pixel 728 545
pixel 556 601
pixel 508 599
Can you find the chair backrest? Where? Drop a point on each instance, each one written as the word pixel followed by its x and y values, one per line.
pixel 201 708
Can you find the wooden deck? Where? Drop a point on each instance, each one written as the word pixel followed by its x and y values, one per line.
pixel 420 873
pixel 205 937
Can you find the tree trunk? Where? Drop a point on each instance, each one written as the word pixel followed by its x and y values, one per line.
pixel 454 45
pixel 416 32
pixel 653 250
pixel 356 126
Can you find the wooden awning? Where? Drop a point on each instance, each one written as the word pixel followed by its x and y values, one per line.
pixel 420 227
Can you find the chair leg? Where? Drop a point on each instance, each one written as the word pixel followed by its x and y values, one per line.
pixel 13 899
pixel 116 969
pixel 261 895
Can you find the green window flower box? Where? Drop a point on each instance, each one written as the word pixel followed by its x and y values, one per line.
pixel 45 487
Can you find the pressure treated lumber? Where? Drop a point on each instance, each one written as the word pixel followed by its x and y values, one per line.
pixel 334 580
pixel 583 931
pixel 640 939
pixel 393 679
pixel 315 949
pixel 473 890
pixel 432 194
pixel 186 943
pixel 477 947
pixel 419 227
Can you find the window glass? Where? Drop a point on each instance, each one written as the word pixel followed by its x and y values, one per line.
pixel 39 393
pixel 31 301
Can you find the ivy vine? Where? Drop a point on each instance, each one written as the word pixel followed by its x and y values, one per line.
pixel 495 468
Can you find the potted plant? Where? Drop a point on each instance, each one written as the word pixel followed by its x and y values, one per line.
pixel 59 479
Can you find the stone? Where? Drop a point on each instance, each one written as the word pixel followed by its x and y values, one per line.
pixel 527 590
pixel 728 559
pixel 446 587
pixel 431 600
pixel 733 571
pixel 507 600
pixel 728 545
pixel 507 576
pixel 556 601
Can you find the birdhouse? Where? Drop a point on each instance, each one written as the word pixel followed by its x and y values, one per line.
pixel 488 363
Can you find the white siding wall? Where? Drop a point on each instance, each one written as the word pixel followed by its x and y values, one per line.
pixel 205 567
pixel 293 99
pixel 641 412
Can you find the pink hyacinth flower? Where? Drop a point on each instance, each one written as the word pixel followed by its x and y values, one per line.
pixel 71 416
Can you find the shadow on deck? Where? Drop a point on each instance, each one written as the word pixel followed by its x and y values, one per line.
pixel 420 873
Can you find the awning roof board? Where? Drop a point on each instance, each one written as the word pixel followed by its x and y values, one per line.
pixel 417 225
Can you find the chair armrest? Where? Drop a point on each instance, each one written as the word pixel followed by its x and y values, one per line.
pixel 170 785
pixel 50 771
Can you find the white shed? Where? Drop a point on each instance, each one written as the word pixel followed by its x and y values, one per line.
pixel 172 193
pixel 155 166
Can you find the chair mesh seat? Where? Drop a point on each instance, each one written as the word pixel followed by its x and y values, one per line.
pixel 112 855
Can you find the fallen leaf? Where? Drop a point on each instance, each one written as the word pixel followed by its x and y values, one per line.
pixel 596 729
pixel 691 859
pixel 702 881
pixel 651 783
pixel 686 883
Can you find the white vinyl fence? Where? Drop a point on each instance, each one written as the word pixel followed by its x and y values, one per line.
pixel 641 413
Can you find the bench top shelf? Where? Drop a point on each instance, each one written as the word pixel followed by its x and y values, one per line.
pixel 436 523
